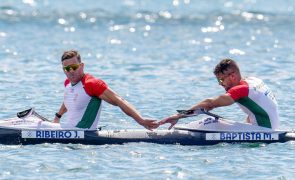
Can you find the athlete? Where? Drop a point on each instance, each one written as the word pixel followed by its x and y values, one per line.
pixel 84 94
pixel 250 93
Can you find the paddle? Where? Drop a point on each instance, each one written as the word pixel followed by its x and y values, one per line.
pixel 29 112
pixel 190 113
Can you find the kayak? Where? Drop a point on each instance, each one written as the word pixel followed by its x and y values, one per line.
pixel 25 129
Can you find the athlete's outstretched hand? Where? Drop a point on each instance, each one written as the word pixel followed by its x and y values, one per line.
pixel 171 119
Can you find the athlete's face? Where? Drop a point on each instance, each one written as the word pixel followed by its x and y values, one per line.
pixel 73 69
pixel 227 79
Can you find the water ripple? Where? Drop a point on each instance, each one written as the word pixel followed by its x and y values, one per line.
pixel 158 56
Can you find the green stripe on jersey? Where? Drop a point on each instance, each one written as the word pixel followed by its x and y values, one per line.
pixel 261 116
pixel 90 113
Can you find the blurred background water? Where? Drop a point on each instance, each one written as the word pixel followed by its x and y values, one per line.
pixel 159 55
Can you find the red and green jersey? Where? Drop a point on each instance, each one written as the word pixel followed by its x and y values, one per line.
pixel 83 103
pixel 256 100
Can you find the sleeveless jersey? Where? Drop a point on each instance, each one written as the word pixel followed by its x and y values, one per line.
pixel 257 101
pixel 83 103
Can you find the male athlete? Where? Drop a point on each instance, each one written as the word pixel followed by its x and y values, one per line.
pixel 84 94
pixel 250 93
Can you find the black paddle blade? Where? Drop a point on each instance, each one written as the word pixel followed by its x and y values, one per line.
pixel 24 113
pixel 185 112
pixel 190 113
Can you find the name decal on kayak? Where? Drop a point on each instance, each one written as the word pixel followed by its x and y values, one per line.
pixel 242 136
pixel 52 134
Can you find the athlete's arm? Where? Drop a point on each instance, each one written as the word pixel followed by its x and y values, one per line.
pixel 208 104
pixel 61 111
pixel 113 98
pixel 211 103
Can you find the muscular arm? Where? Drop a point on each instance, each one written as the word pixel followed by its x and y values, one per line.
pixel 211 103
pixel 208 104
pixel 113 98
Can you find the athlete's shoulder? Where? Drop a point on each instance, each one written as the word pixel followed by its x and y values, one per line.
pixel 239 91
pixel 89 80
pixel 93 86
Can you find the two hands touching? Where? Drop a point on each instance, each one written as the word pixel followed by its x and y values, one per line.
pixel 153 124
pixel 181 114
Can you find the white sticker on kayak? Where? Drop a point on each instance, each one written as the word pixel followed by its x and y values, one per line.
pixel 242 136
pixel 53 134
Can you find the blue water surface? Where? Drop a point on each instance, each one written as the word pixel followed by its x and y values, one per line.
pixel 159 55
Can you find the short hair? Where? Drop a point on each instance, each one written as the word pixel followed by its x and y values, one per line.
pixel 70 54
pixel 225 65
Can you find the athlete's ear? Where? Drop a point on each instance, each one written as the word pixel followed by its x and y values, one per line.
pixel 234 77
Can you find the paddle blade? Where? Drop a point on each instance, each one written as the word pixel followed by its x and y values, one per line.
pixel 24 113
pixel 189 113
pixel 30 112
pixel 185 112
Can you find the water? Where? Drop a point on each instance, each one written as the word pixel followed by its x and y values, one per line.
pixel 157 55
